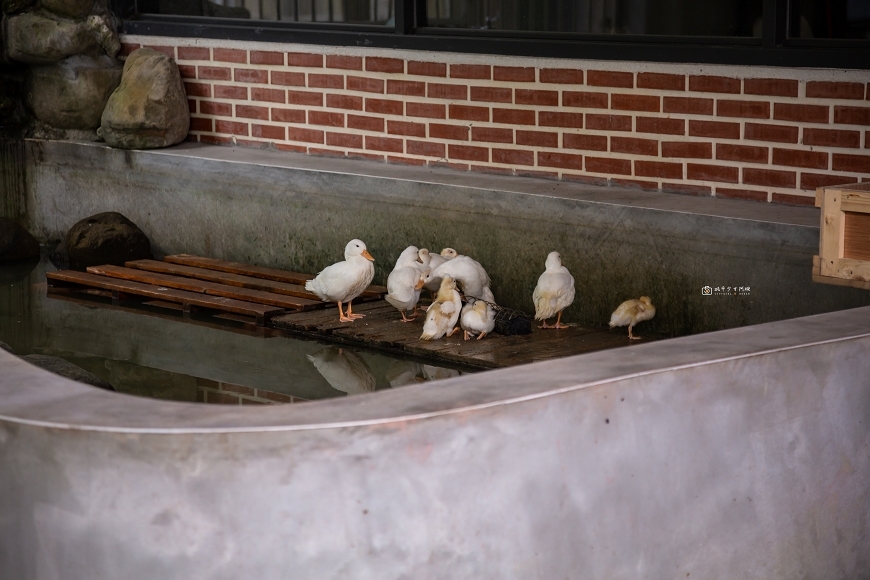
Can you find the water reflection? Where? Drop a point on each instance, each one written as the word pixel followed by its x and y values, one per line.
pixel 403 372
pixel 156 353
pixel 343 369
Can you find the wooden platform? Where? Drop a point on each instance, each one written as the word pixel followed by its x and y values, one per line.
pixel 277 299
pixel 383 328
pixel 192 282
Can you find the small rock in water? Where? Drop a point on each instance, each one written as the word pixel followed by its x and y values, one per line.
pixel 6 347
pixel 66 369
pixel 16 243
pixel 106 238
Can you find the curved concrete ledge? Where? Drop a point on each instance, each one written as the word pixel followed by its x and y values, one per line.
pixel 741 453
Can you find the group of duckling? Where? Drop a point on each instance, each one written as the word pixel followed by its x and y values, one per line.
pixel 444 275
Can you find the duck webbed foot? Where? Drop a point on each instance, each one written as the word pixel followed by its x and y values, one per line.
pixel 350 313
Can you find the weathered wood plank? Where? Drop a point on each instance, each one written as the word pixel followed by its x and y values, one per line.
pixel 856 235
pixel 260 311
pixel 256 271
pixel 204 287
pixel 223 278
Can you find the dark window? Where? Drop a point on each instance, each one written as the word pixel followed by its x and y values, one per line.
pixel 659 17
pixel 830 19
pixel 332 11
pixel 804 33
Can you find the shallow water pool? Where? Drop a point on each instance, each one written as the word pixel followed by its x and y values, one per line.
pixel 155 352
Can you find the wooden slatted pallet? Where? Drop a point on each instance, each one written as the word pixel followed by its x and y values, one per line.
pixel 383 328
pixel 191 282
pixel 277 299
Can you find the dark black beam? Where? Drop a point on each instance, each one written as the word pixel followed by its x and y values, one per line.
pixel 404 11
pixel 774 22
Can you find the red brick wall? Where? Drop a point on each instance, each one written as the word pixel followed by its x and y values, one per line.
pixel 208 391
pixel 757 133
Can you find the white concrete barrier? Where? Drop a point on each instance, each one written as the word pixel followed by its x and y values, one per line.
pixel 743 454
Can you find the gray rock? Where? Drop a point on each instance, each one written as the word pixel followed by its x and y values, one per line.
pixel 6 347
pixel 106 238
pixel 105 35
pixel 72 93
pixel 149 109
pixel 36 39
pixel 69 8
pixel 66 369
pixel 16 243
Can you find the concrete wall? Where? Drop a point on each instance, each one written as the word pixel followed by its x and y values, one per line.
pixel 298 212
pixel 738 454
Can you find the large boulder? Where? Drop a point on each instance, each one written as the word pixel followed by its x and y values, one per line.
pixel 72 93
pixel 68 8
pixel 16 243
pixel 66 369
pixel 106 238
pixel 36 39
pixel 149 109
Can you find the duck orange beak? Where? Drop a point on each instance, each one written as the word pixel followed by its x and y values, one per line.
pixel 419 284
pixel 367 256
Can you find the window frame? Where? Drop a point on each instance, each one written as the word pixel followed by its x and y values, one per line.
pixel 774 48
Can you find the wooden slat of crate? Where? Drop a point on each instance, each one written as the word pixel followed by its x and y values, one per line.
pixel 257 271
pixel 856 236
pixel 261 312
pixel 204 287
pixel 223 278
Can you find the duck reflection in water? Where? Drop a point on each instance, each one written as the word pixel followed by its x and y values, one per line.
pixel 344 370
pixel 403 372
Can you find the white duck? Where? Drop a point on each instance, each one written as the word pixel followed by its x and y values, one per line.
pixel 436 260
pixel 442 314
pixel 469 274
pixel 403 289
pixel 630 312
pixel 344 281
pixel 554 292
pixel 344 370
pixel 477 319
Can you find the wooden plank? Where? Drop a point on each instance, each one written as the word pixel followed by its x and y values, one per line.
pixel 260 311
pixel 830 249
pixel 204 287
pixel 856 236
pixel 274 274
pixel 223 278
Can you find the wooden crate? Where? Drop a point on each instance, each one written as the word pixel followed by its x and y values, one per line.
pixel 844 240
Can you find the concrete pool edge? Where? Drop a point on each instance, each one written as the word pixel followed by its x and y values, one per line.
pixel 58 403
pixel 747 457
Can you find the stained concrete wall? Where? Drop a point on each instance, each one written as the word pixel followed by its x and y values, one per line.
pixel 298 212
pixel 738 454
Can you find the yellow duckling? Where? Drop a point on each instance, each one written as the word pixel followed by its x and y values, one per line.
pixel 477 319
pixel 344 281
pixel 442 314
pixel 632 312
